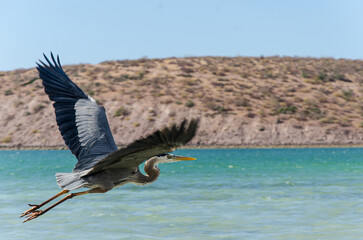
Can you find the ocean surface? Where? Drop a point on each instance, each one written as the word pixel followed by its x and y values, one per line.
pixel 225 194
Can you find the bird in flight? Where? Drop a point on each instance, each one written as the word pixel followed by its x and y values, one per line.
pixel 101 166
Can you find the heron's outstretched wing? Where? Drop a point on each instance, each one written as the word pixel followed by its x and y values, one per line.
pixel 81 121
pixel 161 141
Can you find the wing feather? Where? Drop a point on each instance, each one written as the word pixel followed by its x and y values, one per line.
pixel 159 142
pixel 82 123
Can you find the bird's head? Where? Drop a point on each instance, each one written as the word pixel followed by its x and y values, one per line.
pixel 168 158
pixel 151 165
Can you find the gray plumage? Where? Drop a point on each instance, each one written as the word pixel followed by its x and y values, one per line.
pixel 84 127
pixel 85 130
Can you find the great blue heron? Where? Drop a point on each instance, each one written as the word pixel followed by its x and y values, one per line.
pixel 85 130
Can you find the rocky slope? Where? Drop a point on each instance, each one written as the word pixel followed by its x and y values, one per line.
pixel 242 101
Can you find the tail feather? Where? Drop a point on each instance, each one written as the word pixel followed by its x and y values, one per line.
pixel 69 181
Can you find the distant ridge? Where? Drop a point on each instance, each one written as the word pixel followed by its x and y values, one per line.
pixel 242 101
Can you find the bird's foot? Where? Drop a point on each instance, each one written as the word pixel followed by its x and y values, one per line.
pixel 33 215
pixel 32 209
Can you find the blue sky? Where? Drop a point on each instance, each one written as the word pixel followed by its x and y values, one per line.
pixel 95 31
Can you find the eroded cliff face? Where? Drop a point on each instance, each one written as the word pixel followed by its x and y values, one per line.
pixel 240 101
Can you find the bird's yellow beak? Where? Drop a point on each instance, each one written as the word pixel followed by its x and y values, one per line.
pixel 181 158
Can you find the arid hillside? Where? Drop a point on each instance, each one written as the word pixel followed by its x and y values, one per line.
pixel 242 101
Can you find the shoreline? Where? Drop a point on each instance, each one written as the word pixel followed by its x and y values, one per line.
pixel 25 148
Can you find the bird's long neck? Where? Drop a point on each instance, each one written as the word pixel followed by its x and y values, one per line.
pixel 152 171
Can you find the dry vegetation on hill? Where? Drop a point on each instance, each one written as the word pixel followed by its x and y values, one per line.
pixel 241 100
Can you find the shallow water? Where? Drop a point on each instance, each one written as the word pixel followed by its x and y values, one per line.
pixel 225 194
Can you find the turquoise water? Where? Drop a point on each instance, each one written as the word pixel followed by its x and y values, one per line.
pixel 225 194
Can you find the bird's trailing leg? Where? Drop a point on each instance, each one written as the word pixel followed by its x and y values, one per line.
pixel 37 213
pixel 35 207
